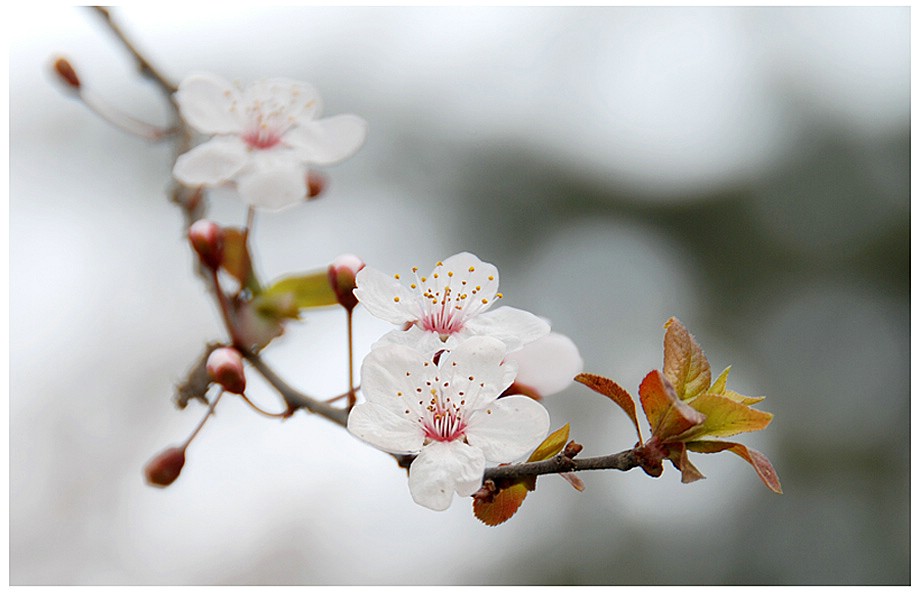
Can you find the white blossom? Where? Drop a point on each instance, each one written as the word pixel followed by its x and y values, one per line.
pixel 264 137
pixel 448 413
pixel 446 306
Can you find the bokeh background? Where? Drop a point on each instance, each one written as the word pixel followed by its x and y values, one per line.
pixel 745 169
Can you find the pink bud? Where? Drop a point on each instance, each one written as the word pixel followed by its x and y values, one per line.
pixel 67 73
pixel 316 184
pixel 165 467
pixel 225 367
pixel 207 239
pixel 342 272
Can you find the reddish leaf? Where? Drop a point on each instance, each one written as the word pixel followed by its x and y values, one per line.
pixel 236 259
pixel 667 415
pixel 761 463
pixel 573 480
pixel 725 417
pixel 502 507
pixel 688 472
pixel 685 364
pixel 552 446
pixel 615 393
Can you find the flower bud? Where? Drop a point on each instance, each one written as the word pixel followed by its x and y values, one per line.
pixel 342 272
pixel 225 367
pixel 316 184
pixel 165 467
pixel 207 239
pixel 66 72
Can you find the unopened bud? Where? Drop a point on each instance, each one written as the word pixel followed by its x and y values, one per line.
pixel 67 73
pixel 225 367
pixel 207 239
pixel 316 184
pixel 342 272
pixel 165 467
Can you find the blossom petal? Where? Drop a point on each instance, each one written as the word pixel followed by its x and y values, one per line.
pixel 379 426
pixel 477 363
pixel 384 297
pixel 210 104
pixel 470 269
pixel 548 365
pixel 514 327
pixel 211 163
pixel 273 180
pixel 327 141
pixel 424 342
pixel 390 376
pixel 284 98
pixel 441 469
pixel 509 428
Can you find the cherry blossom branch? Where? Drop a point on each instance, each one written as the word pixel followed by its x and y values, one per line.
pixel 294 398
pixel 562 463
pixel 145 67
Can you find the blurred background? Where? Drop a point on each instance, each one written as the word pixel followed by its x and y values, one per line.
pixel 744 169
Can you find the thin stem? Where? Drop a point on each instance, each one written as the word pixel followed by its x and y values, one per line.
pixel 225 311
pixel 204 419
pixel 352 399
pixel 123 121
pixel 294 398
pixel 262 411
pixel 250 220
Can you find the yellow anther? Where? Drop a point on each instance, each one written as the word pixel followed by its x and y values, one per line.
pixel 499 295
pixel 413 286
pixel 435 276
pixel 491 278
pixel 485 301
pixel 472 269
pixel 450 274
pixel 424 279
pixel 395 298
pixel 414 269
pixel 440 263
pixel 396 275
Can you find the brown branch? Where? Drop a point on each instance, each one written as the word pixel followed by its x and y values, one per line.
pixel 561 463
pixel 294 398
pixel 145 67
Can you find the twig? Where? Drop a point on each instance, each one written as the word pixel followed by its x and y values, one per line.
pixel 621 461
pixel 146 68
pixel 294 398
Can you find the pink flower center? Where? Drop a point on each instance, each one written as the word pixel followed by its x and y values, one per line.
pixel 443 422
pixel 448 299
pixel 262 138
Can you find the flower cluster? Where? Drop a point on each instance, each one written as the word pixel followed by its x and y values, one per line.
pixel 434 387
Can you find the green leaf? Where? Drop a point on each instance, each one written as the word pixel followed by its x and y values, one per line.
pixel 725 417
pixel 761 463
pixel 667 415
pixel 685 364
pixel 718 387
pixel 309 290
pixel 502 506
pixel 615 393
pixel 552 445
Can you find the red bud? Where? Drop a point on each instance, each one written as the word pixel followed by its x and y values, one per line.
pixel 225 367
pixel 342 272
pixel 316 184
pixel 165 467
pixel 67 73
pixel 207 239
